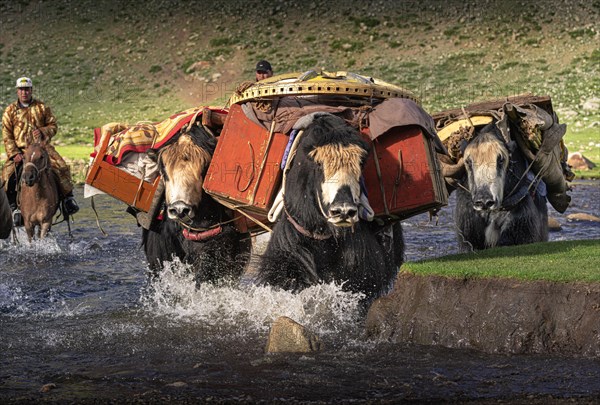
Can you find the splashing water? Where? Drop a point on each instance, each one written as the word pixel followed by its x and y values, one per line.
pixel 324 308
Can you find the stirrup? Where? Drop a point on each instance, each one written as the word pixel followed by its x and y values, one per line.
pixel 17 218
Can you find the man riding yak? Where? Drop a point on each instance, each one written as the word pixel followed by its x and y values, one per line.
pixel 25 121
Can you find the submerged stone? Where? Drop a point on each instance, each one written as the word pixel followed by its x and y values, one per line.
pixel 288 336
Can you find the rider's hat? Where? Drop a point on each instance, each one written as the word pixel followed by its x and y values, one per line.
pixel 263 65
pixel 24 82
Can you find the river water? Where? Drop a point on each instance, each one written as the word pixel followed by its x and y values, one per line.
pixel 81 318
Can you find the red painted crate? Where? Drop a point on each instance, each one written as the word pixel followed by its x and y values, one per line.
pixel 410 182
pixel 246 167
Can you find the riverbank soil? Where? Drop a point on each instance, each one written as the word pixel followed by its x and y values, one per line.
pixel 491 315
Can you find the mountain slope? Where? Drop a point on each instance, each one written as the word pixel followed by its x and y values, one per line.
pixel 102 61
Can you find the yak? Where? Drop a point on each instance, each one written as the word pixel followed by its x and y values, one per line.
pixel 319 236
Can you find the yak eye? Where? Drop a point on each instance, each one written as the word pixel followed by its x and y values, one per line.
pixel 500 159
pixel 469 162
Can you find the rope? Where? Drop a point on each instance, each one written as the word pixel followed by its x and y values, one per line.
pixel 264 161
pixel 97 217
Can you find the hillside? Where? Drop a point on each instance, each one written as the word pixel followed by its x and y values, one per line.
pixel 101 61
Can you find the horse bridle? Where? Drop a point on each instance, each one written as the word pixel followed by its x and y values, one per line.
pixel 37 169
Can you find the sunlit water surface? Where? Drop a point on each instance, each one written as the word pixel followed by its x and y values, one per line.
pixel 82 315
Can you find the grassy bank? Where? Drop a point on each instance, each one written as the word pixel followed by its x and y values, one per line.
pixel 565 261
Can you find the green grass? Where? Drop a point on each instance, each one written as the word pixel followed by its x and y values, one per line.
pixel 565 261
pixel 75 152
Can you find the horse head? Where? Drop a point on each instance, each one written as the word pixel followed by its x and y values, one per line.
pixel 36 161
pixel 183 164
pixel 486 160
pixel 326 172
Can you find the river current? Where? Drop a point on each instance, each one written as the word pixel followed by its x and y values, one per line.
pixel 80 320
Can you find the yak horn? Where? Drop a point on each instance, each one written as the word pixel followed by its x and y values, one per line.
pixel 452 170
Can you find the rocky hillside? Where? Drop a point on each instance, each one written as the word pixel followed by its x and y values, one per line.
pixel 98 61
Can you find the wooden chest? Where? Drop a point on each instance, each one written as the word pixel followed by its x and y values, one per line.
pixel 246 167
pixel 402 174
pixel 117 182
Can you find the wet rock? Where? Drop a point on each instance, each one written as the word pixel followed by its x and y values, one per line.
pixel 491 315
pixel 554 225
pixel 581 216
pixel 579 162
pixel 47 387
pixel 287 335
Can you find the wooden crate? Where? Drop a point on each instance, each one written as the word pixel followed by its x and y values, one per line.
pixel 117 182
pixel 410 180
pixel 246 167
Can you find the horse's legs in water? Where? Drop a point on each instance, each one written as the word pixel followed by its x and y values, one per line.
pixel 30 230
pixel 44 229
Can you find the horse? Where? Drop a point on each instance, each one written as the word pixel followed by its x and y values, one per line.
pixel 39 193
pixel 499 202
pixel 196 229
pixel 6 222
pixel 319 237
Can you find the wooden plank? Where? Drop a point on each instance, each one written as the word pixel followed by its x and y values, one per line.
pixel 495 104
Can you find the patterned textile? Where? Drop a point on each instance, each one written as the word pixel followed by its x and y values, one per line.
pixel 142 136
pixel 18 123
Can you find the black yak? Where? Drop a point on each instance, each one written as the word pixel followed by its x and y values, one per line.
pixel 196 229
pixel 499 202
pixel 319 236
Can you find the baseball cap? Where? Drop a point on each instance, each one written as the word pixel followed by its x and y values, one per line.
pixel 24 82
pixel 263 65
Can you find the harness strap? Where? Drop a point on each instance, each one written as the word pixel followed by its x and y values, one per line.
pixel 303 230
pixel 97 217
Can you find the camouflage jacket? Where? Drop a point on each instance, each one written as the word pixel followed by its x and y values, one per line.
pixel 18 124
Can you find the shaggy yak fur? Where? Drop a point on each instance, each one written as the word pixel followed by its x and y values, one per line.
pixel 318 237
pixel 191 230
pixel 39 195
pixel 496 207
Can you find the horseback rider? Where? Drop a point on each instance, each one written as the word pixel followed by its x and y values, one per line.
pixel 23 122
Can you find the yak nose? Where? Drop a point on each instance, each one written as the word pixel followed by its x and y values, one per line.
pixel 180 210
pixel 343 211
pixel 484 203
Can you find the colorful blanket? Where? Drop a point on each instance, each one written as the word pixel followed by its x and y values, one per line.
pixel 142 136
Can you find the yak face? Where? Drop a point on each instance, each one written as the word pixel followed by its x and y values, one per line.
pixel 183 165
pixel 341 164
pixel 486 162
pixel 36 160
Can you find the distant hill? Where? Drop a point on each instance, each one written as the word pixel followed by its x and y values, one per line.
pixel 97 61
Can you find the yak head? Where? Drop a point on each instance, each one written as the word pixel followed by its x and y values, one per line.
pixel 183 165
pixel 326 173
pixel 486 160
